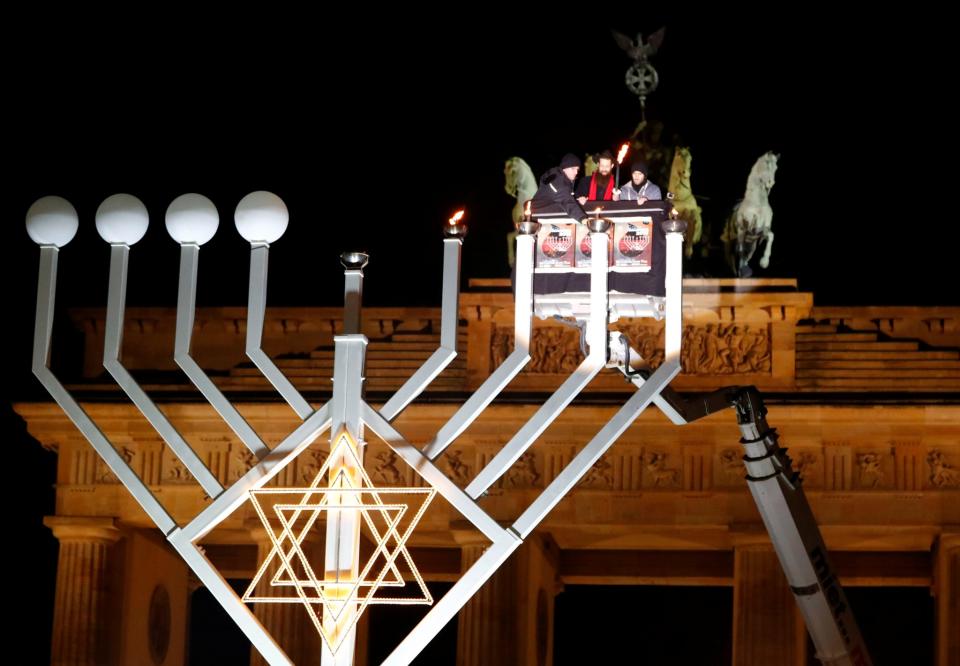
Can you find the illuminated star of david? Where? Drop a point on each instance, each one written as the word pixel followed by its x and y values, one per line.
pixel 345 492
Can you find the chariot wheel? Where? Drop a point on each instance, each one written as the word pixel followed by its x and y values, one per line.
pixel 642 79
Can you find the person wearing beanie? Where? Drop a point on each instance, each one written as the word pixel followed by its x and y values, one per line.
pixel 639 188
pixel 600 186
pixel 570 160
pixel 556 187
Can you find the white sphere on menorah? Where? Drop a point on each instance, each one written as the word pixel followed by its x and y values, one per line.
pixel 52 221
pixel 261 217
pixel 192 218
pixel 122 218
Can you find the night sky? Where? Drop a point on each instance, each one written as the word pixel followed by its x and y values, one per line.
pixel 374 135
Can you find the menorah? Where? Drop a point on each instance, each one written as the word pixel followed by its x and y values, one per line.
pixel 336 595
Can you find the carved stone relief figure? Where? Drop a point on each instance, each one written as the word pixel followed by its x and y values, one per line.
pixel 723 349
pixel 756 357
pixel 385 469
pixel 718 349
pixel 731 463
pixel 647 340
pixel 713 349
pixel 104 474
pixel 599 476
pixel 942 474
pixel 501 345
pixel 309 464
pixel 242 460
pixel 524 472
pixel 659 472
pixel 457 470
pixel 871 473
pixel 176 472
pixel 804 463
pixel 553 350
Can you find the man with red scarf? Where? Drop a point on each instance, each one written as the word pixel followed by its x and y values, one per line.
pixel 599 186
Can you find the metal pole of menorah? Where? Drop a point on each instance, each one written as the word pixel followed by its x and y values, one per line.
pixel 342 497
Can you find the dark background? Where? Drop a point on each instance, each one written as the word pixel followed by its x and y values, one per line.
pixel 375 134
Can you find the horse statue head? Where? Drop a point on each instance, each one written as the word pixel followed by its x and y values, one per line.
pixel 752 218
pixel 762 174
pixel 589 165
pixel 518 179
pixel 683 199
pixel 519 183
pixel 680 173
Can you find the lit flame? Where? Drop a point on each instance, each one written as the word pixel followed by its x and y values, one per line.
pixel 623 153
pixel 526 209
pixel 456 217
pixel 596 211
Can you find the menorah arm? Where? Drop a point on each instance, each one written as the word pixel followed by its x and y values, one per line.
pixel 220 589
pixel 185 540
pixel 441 358
pixel 257 476
pixel 112 344
pixel 591 453
pixel 256 313
pixel 46 295
pixel 571 387
pixel 511 366
pixel 422 465
pixel 646 393
pixel 455 599
pixel 634 367
pixel 186 312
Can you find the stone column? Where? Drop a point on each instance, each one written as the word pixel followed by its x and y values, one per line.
pixel 289 624
pixel 510 619
pixel 82 597
pixel 947 591
pixel 767 625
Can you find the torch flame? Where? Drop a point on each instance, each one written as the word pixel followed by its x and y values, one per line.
pixel 623 153
pixel 596 211
pixel 456 217
pixel 526 209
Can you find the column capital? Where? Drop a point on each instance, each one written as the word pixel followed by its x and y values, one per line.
pixel 84 528
pixel 949 540
pixel 193 583
pixel 465 533
pixel 256 530
pixel 750 536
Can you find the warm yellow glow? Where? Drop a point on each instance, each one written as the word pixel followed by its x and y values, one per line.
pixel 623 153
pixel 341 598
pixel 526 210
pixel 456 217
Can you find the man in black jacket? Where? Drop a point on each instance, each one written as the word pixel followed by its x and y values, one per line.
pixel 556 187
